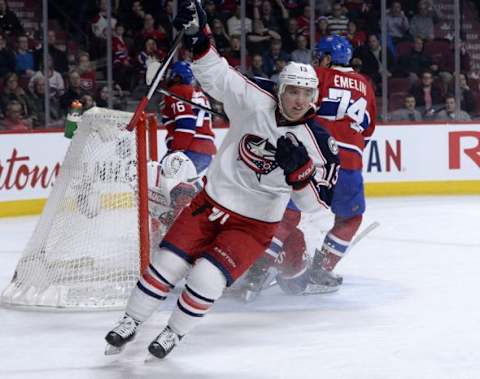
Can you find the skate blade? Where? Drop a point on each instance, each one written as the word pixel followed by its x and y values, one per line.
pixel 315 289
pixel 151 359
pixel 113 350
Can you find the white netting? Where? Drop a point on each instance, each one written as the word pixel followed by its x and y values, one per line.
pixel 84 252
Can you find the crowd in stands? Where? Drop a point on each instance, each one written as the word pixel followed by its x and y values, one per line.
pixel 419 65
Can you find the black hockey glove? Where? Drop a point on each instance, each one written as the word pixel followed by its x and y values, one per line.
pixel 293 158
pixel 191 17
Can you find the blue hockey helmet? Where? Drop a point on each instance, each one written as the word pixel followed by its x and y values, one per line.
pixel 338 47
pixel 183 70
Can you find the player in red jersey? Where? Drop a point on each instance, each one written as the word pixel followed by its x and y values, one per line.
pixel 347 109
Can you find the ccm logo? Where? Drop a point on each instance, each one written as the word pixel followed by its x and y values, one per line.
pixel 454 142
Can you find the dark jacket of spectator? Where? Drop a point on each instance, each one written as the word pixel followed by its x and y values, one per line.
pixel 7 58
pixel 9 23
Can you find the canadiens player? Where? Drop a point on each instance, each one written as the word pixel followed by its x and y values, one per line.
pixel 190 146
pixel 348 111
pixel 273 151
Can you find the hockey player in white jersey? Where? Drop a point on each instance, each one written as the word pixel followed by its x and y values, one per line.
pixel 273 151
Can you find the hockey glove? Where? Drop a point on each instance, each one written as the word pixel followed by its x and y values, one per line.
pixel 291 155
pixel 191 17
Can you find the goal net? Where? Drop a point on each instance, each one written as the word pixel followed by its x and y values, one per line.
pixel 92 238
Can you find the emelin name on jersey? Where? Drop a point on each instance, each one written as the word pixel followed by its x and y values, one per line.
pixel 350 83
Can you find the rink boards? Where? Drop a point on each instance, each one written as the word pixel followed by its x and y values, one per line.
pixel 420 159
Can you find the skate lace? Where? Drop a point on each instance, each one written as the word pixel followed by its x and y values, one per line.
pixel 167 339
pixel 126 327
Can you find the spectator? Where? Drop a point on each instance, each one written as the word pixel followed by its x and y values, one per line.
pixel 371 56
pixel 397 22
pixel 449 113
pixel 369 18
pixel 122 63
pixel 55 80
pixel 220 36
pixel 134 18
pixel 289 35
pixel 212 13
pixel 9 23
pixel 37 102
pixel 272 55
pixel 422 23
pixel 165 18
pixel 150 52
pixel 13 91
pixel 119 100
pixel 99 23
pixel 13 117
pixel 259 39
pixel 356 37
pixel 408 113
pixel 24 58
pixel 262 10
pixel 304 20
pixel 323 7
pixel 233 56
pixel 427 95
pixel 87 102
pixel 280 63
pixel 256 68
pixel 58 55
pixel 149 31
pixel 87 72
pixel 322 28
pixel 74 91
pixel 467 98
pixel 301 54
pixel 337 21
pixel 413 64
pixel 234 25
pixel 356 64
pixel 7 57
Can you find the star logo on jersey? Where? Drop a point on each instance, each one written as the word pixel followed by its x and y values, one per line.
pixel 258 154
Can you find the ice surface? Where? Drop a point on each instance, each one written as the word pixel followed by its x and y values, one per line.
pixel 409 308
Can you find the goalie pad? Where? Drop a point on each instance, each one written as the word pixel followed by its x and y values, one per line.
pixel 172 184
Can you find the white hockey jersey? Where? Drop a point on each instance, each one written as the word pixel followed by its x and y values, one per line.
pixel 244 176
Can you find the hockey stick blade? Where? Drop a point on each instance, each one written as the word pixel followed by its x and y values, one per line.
pixel 156 81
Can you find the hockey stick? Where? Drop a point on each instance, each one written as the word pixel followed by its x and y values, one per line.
pixel 363 234
pixel 207 109
pixel 156 81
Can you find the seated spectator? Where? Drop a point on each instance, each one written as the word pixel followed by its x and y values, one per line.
pixel 55 80
pixel 7 57
pixel 264 11
pixel 122 64
pixel 337 21
pixel 234 25
pixel 449 113
pixel 74 91
pixel 256 69
pixel 88 75
pixel 413 64
pixel 272 55
pixel 134 18
pixel 371 57
pixel 9 23
pixel 303 20
pixel 280 63
pixel 323 7
pixel 58 55
pixel 356 37
pixel 87 102
pixel 36 98
pixel 220 36
pixel 99 22
pixel 150 31
pixel 165 18
pixel 428 96
pixel 14 119
pixel 13 91
pixel 467 98
pixel 301 54
pixel 408 113
pixel 233 56
pixel 397 22
pixel 119 100
pixel 149 53
pixel 259 39
pixel 212 13
pixel 24 58
pixel 423 22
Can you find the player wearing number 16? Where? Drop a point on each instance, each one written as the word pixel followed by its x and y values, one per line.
pixel 274 150
pixel 348 111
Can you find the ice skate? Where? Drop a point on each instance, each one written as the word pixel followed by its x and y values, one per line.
pixel 161 346
pixel 257 279
pixel 118 337
pixel 321 280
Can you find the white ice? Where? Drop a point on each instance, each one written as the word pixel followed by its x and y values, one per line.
pixel 409 308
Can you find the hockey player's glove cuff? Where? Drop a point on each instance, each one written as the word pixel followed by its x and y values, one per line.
pixel 193 19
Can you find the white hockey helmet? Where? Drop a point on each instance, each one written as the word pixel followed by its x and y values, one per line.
pixel 299 75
